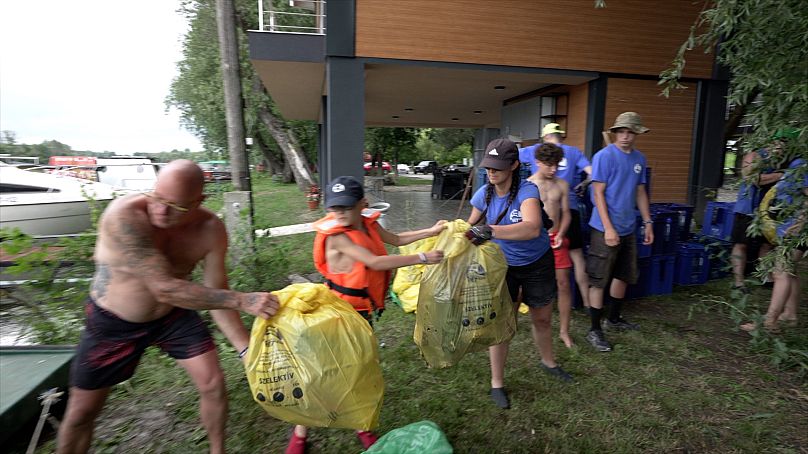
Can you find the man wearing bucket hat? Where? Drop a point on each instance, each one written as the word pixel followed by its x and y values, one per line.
pixel 569 169
pixel 618 176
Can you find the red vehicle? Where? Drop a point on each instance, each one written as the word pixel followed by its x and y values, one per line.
pixel 386 168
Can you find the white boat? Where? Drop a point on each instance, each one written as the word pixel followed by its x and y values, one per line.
pixel 42 204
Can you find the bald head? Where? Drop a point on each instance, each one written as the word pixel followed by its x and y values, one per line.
pixel 181 178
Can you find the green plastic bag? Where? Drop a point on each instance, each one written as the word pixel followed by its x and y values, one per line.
pixel 416 438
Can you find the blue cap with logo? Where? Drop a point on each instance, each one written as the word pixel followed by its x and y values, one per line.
pixel 343 192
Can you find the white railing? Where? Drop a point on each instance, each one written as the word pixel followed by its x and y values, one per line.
pixel 300 16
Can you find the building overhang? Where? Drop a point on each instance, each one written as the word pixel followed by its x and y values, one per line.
pixel 398 93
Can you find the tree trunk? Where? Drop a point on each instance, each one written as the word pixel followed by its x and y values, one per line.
pixel 286 140
pixel 234 108
pixel 274 165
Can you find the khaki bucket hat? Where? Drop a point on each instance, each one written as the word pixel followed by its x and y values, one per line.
pixel 630 120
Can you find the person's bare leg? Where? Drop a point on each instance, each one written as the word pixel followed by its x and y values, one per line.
pixel 618 289
pixel 76 429
pixel 206 374
pixel 792 303
pixel 581 278
pixel 564 305
pixel 596 297
pixel 780 293
pixel 542 331
pixel 738 259
pixel 498 354
pixel 301 431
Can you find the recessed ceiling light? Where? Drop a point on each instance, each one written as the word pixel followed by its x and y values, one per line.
pixel 395 117
pixel 408 109
pixel 478 112
pixel 455 119
pixel 499 87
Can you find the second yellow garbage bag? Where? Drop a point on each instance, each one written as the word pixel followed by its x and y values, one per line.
pixel 463 302
pixel 316 362
pixel 408 278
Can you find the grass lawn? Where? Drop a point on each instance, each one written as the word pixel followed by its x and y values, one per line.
pixel 689 381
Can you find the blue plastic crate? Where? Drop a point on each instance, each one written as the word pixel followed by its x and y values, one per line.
pixel 718 219
pixel 692 264
pixel 661 274
pixel 643 286
pixel 666 231
pixel 685 217
pixel 718 253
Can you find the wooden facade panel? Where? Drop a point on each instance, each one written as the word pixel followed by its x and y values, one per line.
pixel 576 116
pixel 667 146
pixel 628 36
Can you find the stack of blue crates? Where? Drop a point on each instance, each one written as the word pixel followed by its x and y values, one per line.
pixel 718 255
pixel 718 218
pixel 657 262
pixel 692 264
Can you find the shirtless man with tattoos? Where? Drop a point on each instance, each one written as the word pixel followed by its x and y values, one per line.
pixel 147 246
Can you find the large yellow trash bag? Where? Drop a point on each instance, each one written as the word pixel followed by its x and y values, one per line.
pixel 408 278
pixel 463 303
pixel 316 361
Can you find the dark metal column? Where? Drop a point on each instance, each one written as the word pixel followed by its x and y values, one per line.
pixel 344 118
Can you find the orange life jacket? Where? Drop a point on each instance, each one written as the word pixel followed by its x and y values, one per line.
pixel 363 287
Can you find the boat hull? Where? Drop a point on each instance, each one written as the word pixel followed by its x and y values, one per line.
pixel 25 373
pixel 56 218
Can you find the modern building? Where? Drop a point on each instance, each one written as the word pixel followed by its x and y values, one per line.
pixel 505 67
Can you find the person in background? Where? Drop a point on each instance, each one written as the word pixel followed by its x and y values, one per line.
pixel 148 245
pixel 554 193
pixel 508 212
pixel 786 291
pixel 569 169
pixel 349 251
pixel 618 186
pixel 749 195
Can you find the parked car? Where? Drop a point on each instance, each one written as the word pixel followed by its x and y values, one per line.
pixel 403 169
pixel 426 167
pixel 216 170
pixel 386 168
pixel 462 168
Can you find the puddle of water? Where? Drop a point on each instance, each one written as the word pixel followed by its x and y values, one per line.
pixel 11 332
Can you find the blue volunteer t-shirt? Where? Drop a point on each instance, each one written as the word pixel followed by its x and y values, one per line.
pixel 788 186
pixel 622 173
pixel 569 169
pixel 517 252
pixel 749 195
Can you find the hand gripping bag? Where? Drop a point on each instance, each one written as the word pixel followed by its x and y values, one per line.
pixel 463 303
pixel 407 282
pixel 316 362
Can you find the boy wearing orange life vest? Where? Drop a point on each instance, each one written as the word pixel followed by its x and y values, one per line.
pixel 349 252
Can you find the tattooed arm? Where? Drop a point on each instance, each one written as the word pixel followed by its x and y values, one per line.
pixel 228 321
pixel 131 235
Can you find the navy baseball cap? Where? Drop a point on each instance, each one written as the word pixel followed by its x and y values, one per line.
pixel 343 192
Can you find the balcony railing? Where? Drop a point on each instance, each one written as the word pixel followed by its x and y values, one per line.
pixel 292 16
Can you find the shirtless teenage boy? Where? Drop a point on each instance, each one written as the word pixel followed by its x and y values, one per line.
pixel 554 193
pixel 147 246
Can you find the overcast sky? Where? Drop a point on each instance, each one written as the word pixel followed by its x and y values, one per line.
pixel 92 74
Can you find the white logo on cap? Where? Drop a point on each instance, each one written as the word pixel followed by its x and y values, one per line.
pixel 339 187
pixel 493 152
pixel 637 168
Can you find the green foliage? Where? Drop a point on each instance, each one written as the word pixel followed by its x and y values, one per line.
pixel 427 149
pixel 392 143
pixel 455 155
pixel 451 138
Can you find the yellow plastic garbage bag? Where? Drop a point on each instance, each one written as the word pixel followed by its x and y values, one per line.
pixel 463 303
pixel 316 361
pixel 408 279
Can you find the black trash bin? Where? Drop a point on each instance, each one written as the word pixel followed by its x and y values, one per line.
pixel 448 185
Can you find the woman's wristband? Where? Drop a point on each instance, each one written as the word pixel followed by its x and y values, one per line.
pixel 422 257
pixel 243 352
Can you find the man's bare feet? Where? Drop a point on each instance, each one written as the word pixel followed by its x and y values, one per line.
pixel 566 339
pixel 786 321
pixel 752 326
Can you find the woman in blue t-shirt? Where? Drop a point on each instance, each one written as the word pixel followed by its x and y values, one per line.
pixel 508 212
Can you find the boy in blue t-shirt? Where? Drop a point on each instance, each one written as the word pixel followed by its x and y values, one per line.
pixel 618 186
